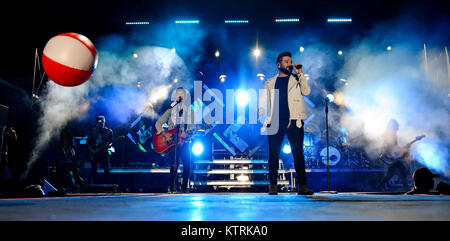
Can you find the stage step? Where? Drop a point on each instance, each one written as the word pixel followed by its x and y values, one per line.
pixel 223 171
pixel 235 183
pixel 231 161
pixel 238 171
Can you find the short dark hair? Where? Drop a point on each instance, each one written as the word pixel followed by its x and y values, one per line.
pixel 100 118
pixel 284 54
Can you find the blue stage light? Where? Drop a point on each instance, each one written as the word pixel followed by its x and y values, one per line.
pixel 287 20
pixel 197 148
pixel 137 23
pixel 339 20
pixel 187 21
pixel 242 98
pixel 330 97
pixel 257 52
pixel 287 149
pixel 236 21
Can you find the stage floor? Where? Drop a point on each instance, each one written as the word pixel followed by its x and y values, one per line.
pixel 228 207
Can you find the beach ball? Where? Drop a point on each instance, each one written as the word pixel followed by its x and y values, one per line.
pixel 69 59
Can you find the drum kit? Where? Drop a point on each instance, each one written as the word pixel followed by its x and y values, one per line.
pixel 345 151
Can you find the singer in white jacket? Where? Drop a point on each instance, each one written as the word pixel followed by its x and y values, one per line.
pixel 283 99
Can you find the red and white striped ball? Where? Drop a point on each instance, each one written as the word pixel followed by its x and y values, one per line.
pixel 69 59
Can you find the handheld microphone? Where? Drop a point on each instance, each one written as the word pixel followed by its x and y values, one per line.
pixel 297 66
pixel 290 72
pixel 175 102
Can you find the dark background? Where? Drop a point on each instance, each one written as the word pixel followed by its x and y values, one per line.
pixel 27 25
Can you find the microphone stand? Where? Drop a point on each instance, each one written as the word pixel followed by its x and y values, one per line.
pixel 328 151
pixel 177 127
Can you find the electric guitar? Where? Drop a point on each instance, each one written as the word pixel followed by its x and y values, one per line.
pixel 104 146
pixel 399 153
pixel 163 146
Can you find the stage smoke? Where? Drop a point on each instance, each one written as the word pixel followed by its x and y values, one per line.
pixel 113 87
pixel 399 84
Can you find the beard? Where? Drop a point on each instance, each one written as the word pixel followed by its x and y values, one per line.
pixel 286 70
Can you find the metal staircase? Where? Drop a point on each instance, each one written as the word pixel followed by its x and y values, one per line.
pixel 237 173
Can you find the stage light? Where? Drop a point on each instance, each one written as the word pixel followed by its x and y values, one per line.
pixel 173 50
pixel 340 52
pixel 330 98
pixel 217 54
pixel 287 149
pixel 389 48
pixel 339 98
pixel 138 84
pixel 175 80
pixel 339 20
pixel 287 20
pixel 197 148
pixel 242 97
pixel 135 55
pixel 187 21
pixel 302 49
pixel 236 21
pixel 243 178
pixel 223 78
pixel 136 23
pixel 257 52
pixel 261 76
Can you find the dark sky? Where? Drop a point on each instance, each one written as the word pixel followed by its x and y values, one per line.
pixel 29 25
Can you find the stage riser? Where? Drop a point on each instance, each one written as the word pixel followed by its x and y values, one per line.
pixel 158 182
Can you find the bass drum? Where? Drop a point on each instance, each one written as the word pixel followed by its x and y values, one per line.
pixel 335 156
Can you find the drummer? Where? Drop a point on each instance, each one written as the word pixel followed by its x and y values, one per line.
pixel 343 139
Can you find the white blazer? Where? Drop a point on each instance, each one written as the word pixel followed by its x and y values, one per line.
pixel 296 91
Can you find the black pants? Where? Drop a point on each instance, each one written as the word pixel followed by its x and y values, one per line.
pixel 183 156
pixel 295 138
pixel 401 170
pixel 103 160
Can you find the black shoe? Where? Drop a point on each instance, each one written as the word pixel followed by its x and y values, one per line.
pixel 173 188
pixel 416 191
pixel 304 190
pixel 273 189
pixel 185 189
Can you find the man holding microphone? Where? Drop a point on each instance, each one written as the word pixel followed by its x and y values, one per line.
pixel 288 116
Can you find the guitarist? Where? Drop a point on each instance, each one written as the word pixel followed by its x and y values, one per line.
pixel 177 116
pixel 395 154
pixel 98 142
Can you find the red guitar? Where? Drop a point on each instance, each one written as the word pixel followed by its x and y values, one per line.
pixel 161 145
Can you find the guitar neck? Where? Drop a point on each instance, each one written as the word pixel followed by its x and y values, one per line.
pixel 412 142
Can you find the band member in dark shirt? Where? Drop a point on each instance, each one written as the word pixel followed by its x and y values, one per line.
pixel 67 148
pixel 395 155
pixel 98 142
pixel 9 137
